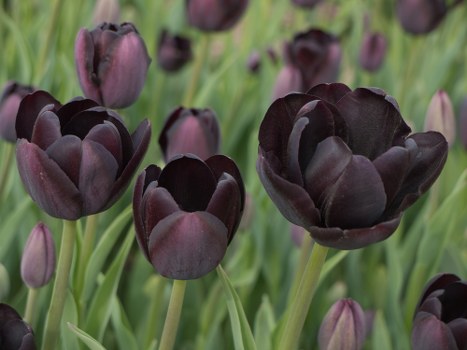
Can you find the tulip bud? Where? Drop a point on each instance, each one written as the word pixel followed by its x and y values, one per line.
pixel 10 99
pixel 111 62
pixel 173 51
pixel 306 3
pixel 463 122
pixel 372 51
pixel 38 261
pixel 15 334
pixel 254 62
pixel 4 282
pixel 215 15
pixel 343 327
pixel 440 116
pixel 420 16
pixel 194 131
pixel 106 11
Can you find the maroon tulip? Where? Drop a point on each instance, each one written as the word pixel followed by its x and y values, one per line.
pixel 214 15
pixel 193 131
pixel 306 3
pixel 15 334
pixel 372 51
pixel 112 62
pixel 174 51
pixel 10 99
pixel 186 214
pixel 440 320
pixel 313 57
pixel 340 163
pixel 76 159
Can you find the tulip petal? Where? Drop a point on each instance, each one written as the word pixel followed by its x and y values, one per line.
pixel 293 170
pixel 190 181
pixel 46 183
pixel 357 199
pixel 330 92
pixel 46 130
pixel 454 300
pixel 226 204
pixel 331 157
pixel 430 333
pixel 11 335
pixel 374 123
pixel 108 136
pixel 187 245
pixel 66 152
pixel 425 167
pixel 458 328
pixel 437 282
pixel 291 200
pixel 432 305
pixel 66 112
pixel 97 174
pixel 289 80
pixel 354 238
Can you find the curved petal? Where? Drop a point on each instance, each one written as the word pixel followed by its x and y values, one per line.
pixel 190 182
pixel 187 245
pixel 454 300
pixel 46 183
pixel 46 130
pixel 439 281
pixel 430 333
pixel 329 161
pixel 329 92
pixel 66 112
pixel 108 136
pixel 66 152
pixel 458 328
pixel 433 306
pixel 354 238
pixel 289 80
pixel 425 168
pixel 141 235
pixel 98 172
pixel 357 199
pixel 291 200
pixel 375 124
pixel 294 173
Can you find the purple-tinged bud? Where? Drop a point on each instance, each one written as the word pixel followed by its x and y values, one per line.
pixel 306 3
pixel 194 131
pixel 343 327
pixel 173 52
pixel 10 99
pixel 254 62
pixel 463 122
pixel 15 334
pixel 214 15
pixel 420 16
pixel 112 63
pixel 440 116
pixel 106 11
pixel 38 261
pixel 372 51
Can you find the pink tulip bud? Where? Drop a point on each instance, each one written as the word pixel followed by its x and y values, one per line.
pixel 440 116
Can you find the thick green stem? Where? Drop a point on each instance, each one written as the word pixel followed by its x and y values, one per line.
pixel 156 286
pixel 301 303
pixel 196 73
pixel 31 305
pixel 305 251
pixel 6 164
pixel 173 315
pixel 57 301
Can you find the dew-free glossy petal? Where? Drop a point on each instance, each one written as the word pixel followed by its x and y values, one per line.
pixel 108 136
pixel 329 92
pixel 431 333
pixel 66 152
pixel 46 130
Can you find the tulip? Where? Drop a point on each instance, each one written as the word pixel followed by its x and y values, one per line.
pixel 106 11
pixel 341 163
pixel 254 62
pixel 440 320
pixel 174 51
pixel 313 57
pixel 343 327
pixel 76 159
pixel 440 116
pixel 111 62
pixel 187 213
pixel 15 334
pixel 463 122
pixel 372 51
pixel 306 3
pixel 10 99
pixel 193 131
pixel 38 260
pixel 214 15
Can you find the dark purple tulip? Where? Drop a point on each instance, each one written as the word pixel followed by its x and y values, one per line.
pixel 306 3
pixel 174 51
pixel 76 159
pixel 186 214
pixel 15 334
pixel 440 320
pixel 193 131
pixel 313 57
pixel 214 15
pixel 372 51
pixel 420 16
pixel 254 62
pixel 10 99
pixel 341 163
pixel 463 122
pixel 112 62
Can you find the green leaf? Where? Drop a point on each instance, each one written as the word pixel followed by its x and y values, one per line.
pixel 241 331
pixel 265 323
pixel 68 341
pixel 123 332
pixel 92 343
pixel 9 226
pixel 380 334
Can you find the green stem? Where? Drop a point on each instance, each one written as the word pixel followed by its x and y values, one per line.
pixel 198 67
pixel 8 157
pixel 301 303
pixel 173 315
pixel 305 251
pixel 57 301
pixel 31 305
pixel 156 286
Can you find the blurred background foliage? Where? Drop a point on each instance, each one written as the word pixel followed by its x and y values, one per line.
pixel 37 40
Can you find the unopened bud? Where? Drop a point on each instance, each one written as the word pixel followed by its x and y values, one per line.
pixel 440 116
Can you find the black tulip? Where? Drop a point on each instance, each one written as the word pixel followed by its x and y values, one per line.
pixel 173 51
pixel 15 334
